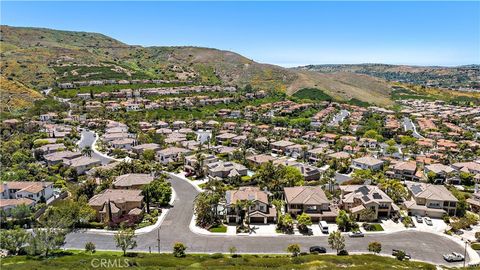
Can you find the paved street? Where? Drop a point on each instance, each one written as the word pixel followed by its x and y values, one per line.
pixel 175 228
pixel 409 125
pixel 339 117
pixel 87 139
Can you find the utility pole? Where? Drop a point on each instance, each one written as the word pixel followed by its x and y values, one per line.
pixel 158 240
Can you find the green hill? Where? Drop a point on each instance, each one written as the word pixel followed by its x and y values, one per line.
pixel 39 57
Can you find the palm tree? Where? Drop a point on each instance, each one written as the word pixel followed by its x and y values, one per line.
pixel 87 151
pixel 278 206
pixel 246 204
pixel 199 165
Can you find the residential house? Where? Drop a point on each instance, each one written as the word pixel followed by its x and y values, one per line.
pixel 442 173
pixel 260 212
pixel 279 147
pixel 82 164
pixel 225 137
pixel 191 162
pixel 257 160
pixel 357 198
pixel 367 163
pixel 132 181
pixel 222 169
pixel 8 204
pixel 112 204
pixel 58 157
pixel 171 154
pixel 125 143
pixel 310 200
pixel 405 170
pixel 36 191
pixel 430 200
pixel 139 149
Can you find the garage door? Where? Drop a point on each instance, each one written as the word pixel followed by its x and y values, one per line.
pixel 256 220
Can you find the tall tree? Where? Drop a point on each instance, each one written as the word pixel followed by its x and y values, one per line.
pixel 45 240
pixel 336 241
pixel 13 240
pixel 125 239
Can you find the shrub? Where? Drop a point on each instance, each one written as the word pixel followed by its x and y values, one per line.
pixel 475 246
pixel 477 236
pixel 216 256
pixel 375 247
pixel 343 252
pixel 294 249
pixel 400 255
pixel 90 247
pixel 179 250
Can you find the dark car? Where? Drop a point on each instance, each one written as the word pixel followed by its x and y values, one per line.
pixel 318 249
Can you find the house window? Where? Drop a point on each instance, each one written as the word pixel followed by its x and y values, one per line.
pixel 262 208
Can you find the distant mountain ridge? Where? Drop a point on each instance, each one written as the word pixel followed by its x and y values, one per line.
pixel 35 56
pixel 459 77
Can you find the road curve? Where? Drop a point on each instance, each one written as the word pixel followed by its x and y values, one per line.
pixel 175 228
pixel 88 138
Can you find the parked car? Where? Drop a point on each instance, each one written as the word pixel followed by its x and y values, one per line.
pixel 428 221
pixel 396 251
pixel 323 227
pixel 318 249
pixel 419 219
pixel 454 257
pixel 356 234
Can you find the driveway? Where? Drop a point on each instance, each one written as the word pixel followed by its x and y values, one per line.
pixel 175 228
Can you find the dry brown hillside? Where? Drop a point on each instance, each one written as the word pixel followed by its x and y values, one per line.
pixel 14 95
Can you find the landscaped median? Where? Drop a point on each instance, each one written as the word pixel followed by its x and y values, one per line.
pixel 73 260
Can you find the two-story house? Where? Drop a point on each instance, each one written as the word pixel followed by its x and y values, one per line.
pixel 259 212
pixel 405 170
pixel 35 191
pixel 310 200
pixel 430 200
pixel 171 154
pixel 357 198
pixel 113 204
pixel 222 169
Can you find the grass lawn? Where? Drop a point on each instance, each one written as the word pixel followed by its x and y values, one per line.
pixel 219 229
pixel 374 227
pixel 476 246
pixel 73 260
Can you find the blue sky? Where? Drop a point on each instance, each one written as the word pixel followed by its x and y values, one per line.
pixel 283 33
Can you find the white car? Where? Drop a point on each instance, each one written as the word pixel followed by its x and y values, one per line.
pixel 356 234
pixel 454 257
pixel 428 221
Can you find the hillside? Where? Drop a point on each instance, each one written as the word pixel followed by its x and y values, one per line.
pixel 461 77
pixel 15 95
pixel 40 57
